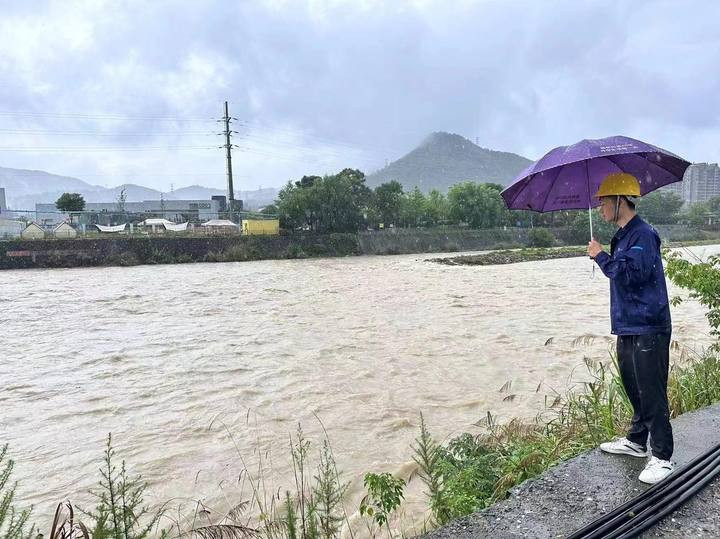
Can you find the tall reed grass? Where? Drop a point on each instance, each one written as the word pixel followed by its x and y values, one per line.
pixel 472 472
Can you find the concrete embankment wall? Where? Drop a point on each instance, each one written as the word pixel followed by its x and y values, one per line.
pixel 133 250
pixel 128 251
pixel 408 240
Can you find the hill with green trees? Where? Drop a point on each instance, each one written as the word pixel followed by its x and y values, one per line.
pixel 444 159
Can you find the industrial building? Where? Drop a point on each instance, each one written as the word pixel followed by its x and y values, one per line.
pixel 108 213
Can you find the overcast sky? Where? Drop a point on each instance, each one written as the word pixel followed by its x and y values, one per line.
pixel 129 91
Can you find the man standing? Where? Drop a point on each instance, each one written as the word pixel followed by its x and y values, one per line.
pixel 640 316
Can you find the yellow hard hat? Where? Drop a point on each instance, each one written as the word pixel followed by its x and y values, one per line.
pixel 619 183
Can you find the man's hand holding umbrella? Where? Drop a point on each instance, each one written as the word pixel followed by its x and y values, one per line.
pixel 594 248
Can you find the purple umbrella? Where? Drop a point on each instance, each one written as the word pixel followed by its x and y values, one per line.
pixel 568 177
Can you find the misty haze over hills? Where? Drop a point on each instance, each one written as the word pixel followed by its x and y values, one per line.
pixel 442 160
pixel 25 188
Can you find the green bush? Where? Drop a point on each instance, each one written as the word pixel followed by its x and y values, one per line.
pixel 703 281
pixel 12 522
pixel 540 237
pixel 120 512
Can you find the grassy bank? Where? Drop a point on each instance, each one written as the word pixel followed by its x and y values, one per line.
pixel 472 472
pixel 512 256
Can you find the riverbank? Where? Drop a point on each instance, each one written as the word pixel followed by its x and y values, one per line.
pixel 529 255
pixel 137 250
pixel 511 256
pixel 576 492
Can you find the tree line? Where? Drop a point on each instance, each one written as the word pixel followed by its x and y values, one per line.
pixel 343 203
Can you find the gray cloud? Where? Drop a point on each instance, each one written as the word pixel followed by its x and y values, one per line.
pixel 323 85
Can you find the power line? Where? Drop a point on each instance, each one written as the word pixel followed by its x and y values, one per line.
pixel 44 132
pixel 80 116
pixel 104 149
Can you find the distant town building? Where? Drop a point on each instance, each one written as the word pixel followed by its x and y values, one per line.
pixel 10 229
pixel 700 183
pixel 106 213
pixel 32 232
pixel 64 230
pixel 3 203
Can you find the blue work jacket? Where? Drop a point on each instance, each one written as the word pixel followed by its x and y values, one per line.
pixel 638 293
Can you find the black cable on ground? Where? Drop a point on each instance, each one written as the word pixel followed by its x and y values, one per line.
pixel 674 500
pixel 697 473
pixel 608 521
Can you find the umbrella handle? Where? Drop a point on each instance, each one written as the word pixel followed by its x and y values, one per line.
pixel 591 227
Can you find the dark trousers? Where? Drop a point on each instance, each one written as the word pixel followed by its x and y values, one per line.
pixel 644 362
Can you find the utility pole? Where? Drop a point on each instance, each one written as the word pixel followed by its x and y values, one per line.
pixel 228 148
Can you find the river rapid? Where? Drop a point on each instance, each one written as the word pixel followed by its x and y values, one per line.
pixel 200 370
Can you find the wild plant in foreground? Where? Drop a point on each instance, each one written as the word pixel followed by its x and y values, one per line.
pixel 120 513
pixel 384 496
pixel 13 522
pixel 65 526
pixel 313 511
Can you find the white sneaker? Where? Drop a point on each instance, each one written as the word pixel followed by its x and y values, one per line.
pixel 623 446
pixel 656 470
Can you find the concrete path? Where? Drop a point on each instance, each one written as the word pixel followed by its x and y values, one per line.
pixel 578 491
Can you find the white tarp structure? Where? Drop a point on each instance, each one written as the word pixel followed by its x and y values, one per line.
pixel 176 228
pixel 220 223
pixel 156 222
pixel 116 228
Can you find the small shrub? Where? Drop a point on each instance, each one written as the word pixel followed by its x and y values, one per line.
pixel 120 513
pixel 384 495
pixel 540 237
pixel 13 522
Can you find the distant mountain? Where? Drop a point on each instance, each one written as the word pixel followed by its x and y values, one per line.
pixel 25 188
pixel 444 159
pixel 20 182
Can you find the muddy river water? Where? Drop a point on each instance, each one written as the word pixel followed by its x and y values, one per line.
pixel 199 370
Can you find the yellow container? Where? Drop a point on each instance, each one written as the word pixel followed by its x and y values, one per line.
pixel 257 227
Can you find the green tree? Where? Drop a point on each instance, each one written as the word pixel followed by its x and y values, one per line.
pixel 478 204
pixel 703 281
pixel 660 207
pixel 414 208
pixel 69 202
pixel 387 202
pixel 438 209
pixel 121 199
pixel 580 228
pixel 540 237
pixel 697 214
pixel 336 203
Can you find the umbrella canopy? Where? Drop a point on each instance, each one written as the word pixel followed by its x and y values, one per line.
pixel 568 177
